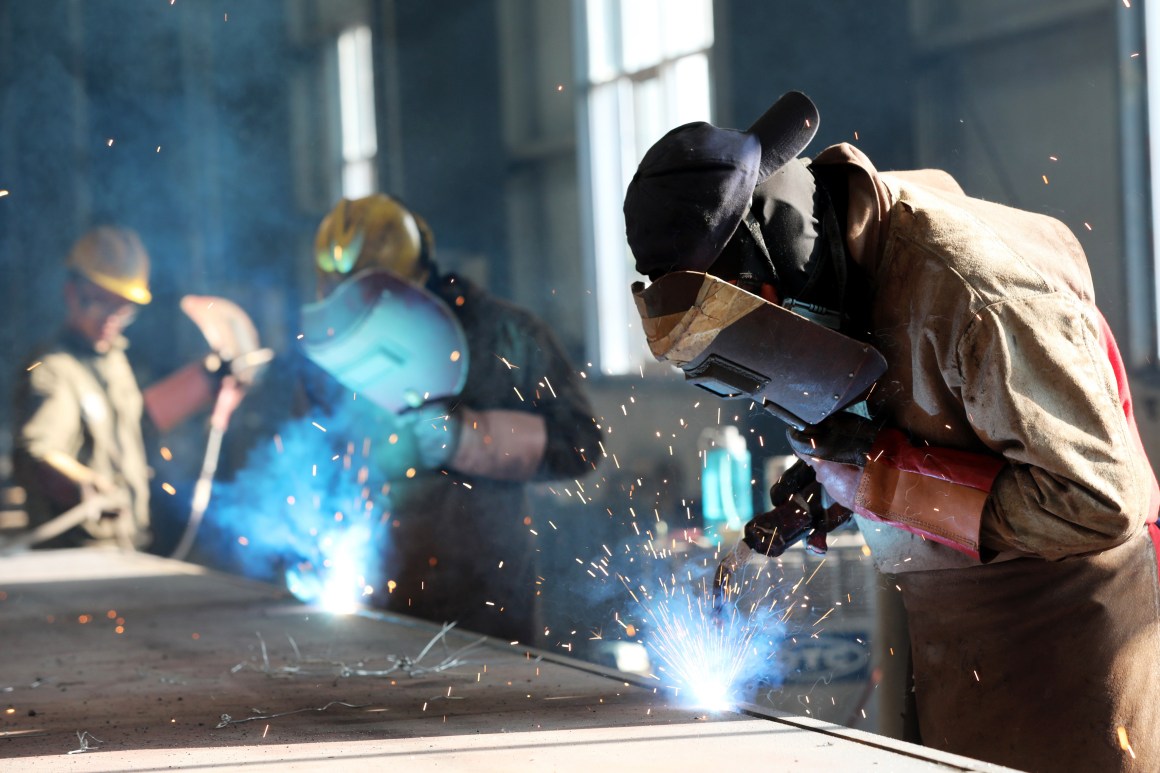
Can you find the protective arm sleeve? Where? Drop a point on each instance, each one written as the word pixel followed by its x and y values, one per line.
pixel 504 445
pixel 178 396
pixel 547 388
pixel 937 493
pixel 1043 387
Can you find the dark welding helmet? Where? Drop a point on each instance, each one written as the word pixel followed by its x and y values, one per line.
pixel 714 216
pixel 388 339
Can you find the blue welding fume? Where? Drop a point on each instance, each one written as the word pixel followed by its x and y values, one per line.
pixel 726 478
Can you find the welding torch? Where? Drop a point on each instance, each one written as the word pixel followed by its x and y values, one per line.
pixel 803 509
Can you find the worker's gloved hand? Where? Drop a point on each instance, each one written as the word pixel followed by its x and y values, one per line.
pixel 435 427
pixel 800 506
pixel 837 450
pixel 107 498
pixel 244 368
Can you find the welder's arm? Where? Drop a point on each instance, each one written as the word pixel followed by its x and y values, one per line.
pixel 499 444
pixel 876 472
pixel 554 390
pixel 180 395
pixel 937 493
pixel 1044 386
pixel 190 389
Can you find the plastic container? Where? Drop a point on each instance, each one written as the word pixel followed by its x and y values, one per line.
pixel 726 479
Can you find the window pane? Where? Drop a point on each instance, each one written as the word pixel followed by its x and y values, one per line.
pixel 607 192
pixel 688 26
pixel 650 116
pixel 358 178
pixel 641 33
pixel 603 32
pixel 690 89
pixel 356 94
pixel 649 71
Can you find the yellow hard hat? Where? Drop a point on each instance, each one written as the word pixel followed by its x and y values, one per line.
pixel 376 231
pixel 115 259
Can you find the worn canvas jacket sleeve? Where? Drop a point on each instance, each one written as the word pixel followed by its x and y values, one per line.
pixel 1041 390
pixel 48 411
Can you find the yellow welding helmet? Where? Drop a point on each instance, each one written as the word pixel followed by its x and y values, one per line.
pixel 376 231
pixel 114 259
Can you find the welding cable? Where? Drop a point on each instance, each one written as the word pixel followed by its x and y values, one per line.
pixel 228 397
pixel 88 510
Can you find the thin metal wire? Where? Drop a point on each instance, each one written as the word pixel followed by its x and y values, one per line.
pixel 404 664
pixel 86 739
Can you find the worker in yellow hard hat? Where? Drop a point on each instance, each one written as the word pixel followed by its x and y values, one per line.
pixel 480 400
pixel 372 232
pixel 79 451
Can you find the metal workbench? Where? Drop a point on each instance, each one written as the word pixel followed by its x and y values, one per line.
pixel 128 662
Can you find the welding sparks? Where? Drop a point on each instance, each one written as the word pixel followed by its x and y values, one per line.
pixel 710 658
pixel 707 661
pixel 1122 735
pixel 320 528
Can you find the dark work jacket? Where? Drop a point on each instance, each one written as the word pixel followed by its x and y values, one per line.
pixel 462 548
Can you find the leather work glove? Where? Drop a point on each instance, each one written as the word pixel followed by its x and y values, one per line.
pixel 245 368
pixel 800 506
pixel 436 427
pixel 418 439
pixel 837 450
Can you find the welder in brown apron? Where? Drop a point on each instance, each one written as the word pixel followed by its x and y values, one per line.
pixel 994 468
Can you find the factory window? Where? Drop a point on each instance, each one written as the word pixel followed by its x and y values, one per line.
pixel 647 71
pixel 356 92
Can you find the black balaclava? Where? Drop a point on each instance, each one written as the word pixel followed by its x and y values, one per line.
pixel 792 239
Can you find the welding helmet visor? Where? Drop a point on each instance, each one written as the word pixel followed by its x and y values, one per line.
pixel 738 345
pixel 388 339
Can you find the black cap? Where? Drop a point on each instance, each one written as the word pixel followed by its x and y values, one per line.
pixel 693 186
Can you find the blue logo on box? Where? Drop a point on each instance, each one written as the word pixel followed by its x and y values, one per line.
pixel 828 656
